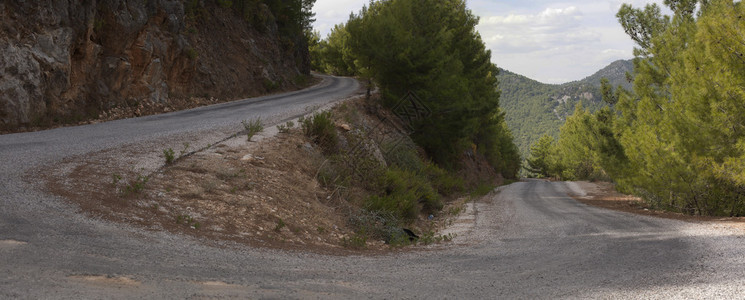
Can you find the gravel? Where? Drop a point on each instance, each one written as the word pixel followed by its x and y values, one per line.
pixel 528 240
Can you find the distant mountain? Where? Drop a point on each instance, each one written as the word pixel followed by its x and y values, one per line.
pixel 533 108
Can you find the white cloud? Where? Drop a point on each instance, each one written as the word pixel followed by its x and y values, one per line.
pixel 332 12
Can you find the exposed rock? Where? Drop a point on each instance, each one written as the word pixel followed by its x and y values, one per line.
pixel 66 61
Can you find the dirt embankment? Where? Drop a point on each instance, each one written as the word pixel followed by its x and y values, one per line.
pixel 272 191
pixel 67 62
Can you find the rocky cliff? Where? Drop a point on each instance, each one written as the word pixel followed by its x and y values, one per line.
pixel 66 61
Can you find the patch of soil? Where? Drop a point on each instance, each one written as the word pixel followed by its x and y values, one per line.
pixel 604 194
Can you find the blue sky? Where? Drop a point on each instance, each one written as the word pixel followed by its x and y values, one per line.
pixel 550 41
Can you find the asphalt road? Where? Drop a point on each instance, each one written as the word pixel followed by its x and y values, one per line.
pixel 528 240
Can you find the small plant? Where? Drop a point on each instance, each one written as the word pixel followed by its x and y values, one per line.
pixel 191 53
pixel 280 224
pixel 270 85
pixel 252 127
pixel 320 229
pixel 184 151
pixel 115 178
pixel 285 128
pixel 320 127
pixel 357 241
pixel 170 155
pixel 137 185
pixel 188 221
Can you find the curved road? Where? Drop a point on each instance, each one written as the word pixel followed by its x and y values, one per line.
pixel 528 240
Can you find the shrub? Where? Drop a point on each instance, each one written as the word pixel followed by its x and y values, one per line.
pixel 404 191
pixel 170 155
pixel 286 127
pixel 320 127
pixel 252 127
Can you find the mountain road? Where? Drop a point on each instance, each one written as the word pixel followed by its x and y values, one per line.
pixel 528 239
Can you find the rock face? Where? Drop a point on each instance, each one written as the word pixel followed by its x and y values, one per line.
pixel 65 61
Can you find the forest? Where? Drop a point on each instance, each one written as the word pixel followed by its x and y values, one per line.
pixel 431 49
pixel 533 109
pixel 677 138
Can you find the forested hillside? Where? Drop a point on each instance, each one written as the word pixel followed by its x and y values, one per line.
pixel 533 109
pixel 678 138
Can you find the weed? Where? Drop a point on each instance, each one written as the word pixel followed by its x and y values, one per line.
pixel 209 186
pixel 456 210
pixel 430 238
pixel 280 224
pixel 137 185
pixel 191 53
pixel 270 85
pixel 188 221
pixel 115 178
pixel 252 127
pixel 184 151
pixel 285 128
pixel 403 192
pixel 98 24
pixel 301 80
pixel 320 127
pixel 320 229
pixel 170 155
pixel 357 241
pixel 482 189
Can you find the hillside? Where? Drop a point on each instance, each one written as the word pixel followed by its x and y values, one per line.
pixel 70 61
pixel 533 108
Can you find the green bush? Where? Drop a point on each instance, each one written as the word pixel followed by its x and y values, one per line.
pixel 404 192
pixel 320 127
pixel 169 155
pixel 443 181
pixel 252 127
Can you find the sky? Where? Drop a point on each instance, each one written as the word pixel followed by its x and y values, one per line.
pixel 549 41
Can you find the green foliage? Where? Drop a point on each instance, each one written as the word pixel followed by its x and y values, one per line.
pixel 225 3
pixel 169 155
pixel 270 85
pixel 429 47
pixel 403 193
pixel 188 221
pixel 334 55
pixel 533 109
pixel 678 139
pixel 252 127
pixel 356 241
pixel 280 224
pixel 286 127
pixel 320 127
pixel 191 53
pixel 541 160
pixel 135 185
pixel 482 189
